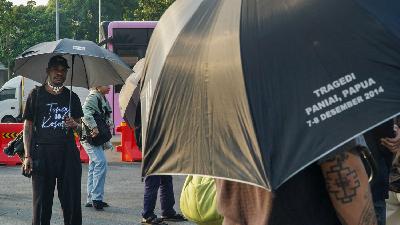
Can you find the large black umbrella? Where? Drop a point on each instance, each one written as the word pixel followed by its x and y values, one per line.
pixel 254 91
pixel 92 65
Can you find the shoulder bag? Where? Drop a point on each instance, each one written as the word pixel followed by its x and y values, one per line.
pixel 104 130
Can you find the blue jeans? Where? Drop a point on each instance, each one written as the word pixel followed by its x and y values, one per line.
pixel 167 199
pixel 380 209
pixel 96 171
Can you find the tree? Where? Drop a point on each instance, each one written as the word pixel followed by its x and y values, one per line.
pixel 119 10
pixel 152 9
pixel 22 27
pixel 32 26
pixel 79 18
pixel 5 26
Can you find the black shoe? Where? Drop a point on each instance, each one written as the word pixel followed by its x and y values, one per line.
pixel 89 204
pixel 175 218
pixel 153 220
pixel 105 204
pixel 98 205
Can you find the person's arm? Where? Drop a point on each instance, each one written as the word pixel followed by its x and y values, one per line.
pixel 393 144
pixel 109 118
pixel 89 108
pixel 347 184
pixel 78 127
pixel 27 132
pixel 75 120
pixel 27 137
pixel 73 123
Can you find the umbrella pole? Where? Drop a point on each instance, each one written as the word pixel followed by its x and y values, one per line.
pixel 70 93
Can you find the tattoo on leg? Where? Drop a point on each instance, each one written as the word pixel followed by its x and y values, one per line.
pixel 342 181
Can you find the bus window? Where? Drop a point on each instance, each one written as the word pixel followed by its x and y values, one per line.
pixel 131 44
pixel 127 36
pixel 149 33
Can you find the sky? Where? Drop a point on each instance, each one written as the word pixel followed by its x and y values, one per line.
pixel 19 2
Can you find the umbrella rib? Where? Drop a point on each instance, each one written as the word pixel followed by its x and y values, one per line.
pixel 23 64
pixel 84 66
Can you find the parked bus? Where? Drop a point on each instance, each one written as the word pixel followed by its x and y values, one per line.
pixel 129 40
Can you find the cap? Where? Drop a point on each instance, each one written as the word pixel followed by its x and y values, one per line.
pixel 57 60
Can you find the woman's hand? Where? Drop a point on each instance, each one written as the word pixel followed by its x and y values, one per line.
pixel 94 132
pixel 110 124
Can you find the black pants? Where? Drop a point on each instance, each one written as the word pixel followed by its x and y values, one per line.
pixel 56 164
pixel 167 199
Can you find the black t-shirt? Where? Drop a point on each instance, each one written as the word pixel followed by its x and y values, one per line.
pixel 51 110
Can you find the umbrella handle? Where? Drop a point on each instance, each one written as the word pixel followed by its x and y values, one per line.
pixel 370 161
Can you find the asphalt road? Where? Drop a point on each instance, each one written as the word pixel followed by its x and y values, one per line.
pixel 123 191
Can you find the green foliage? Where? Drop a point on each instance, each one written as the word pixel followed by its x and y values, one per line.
pixel 151 9
pixel 5 36
pixel 24 26
pixel 79 18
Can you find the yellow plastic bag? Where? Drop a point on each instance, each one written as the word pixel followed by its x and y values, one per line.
pixel 198 201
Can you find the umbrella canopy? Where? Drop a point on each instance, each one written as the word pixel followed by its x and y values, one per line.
pixel 129 96
pixel 255 91
pixel 93 65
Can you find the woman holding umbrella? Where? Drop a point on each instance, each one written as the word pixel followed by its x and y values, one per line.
pixel 96 103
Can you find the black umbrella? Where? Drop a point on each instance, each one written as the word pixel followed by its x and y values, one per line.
pixel 254 91
pixel 129 96
pixel 91 64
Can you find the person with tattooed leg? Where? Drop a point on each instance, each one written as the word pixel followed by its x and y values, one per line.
pixel 51 155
